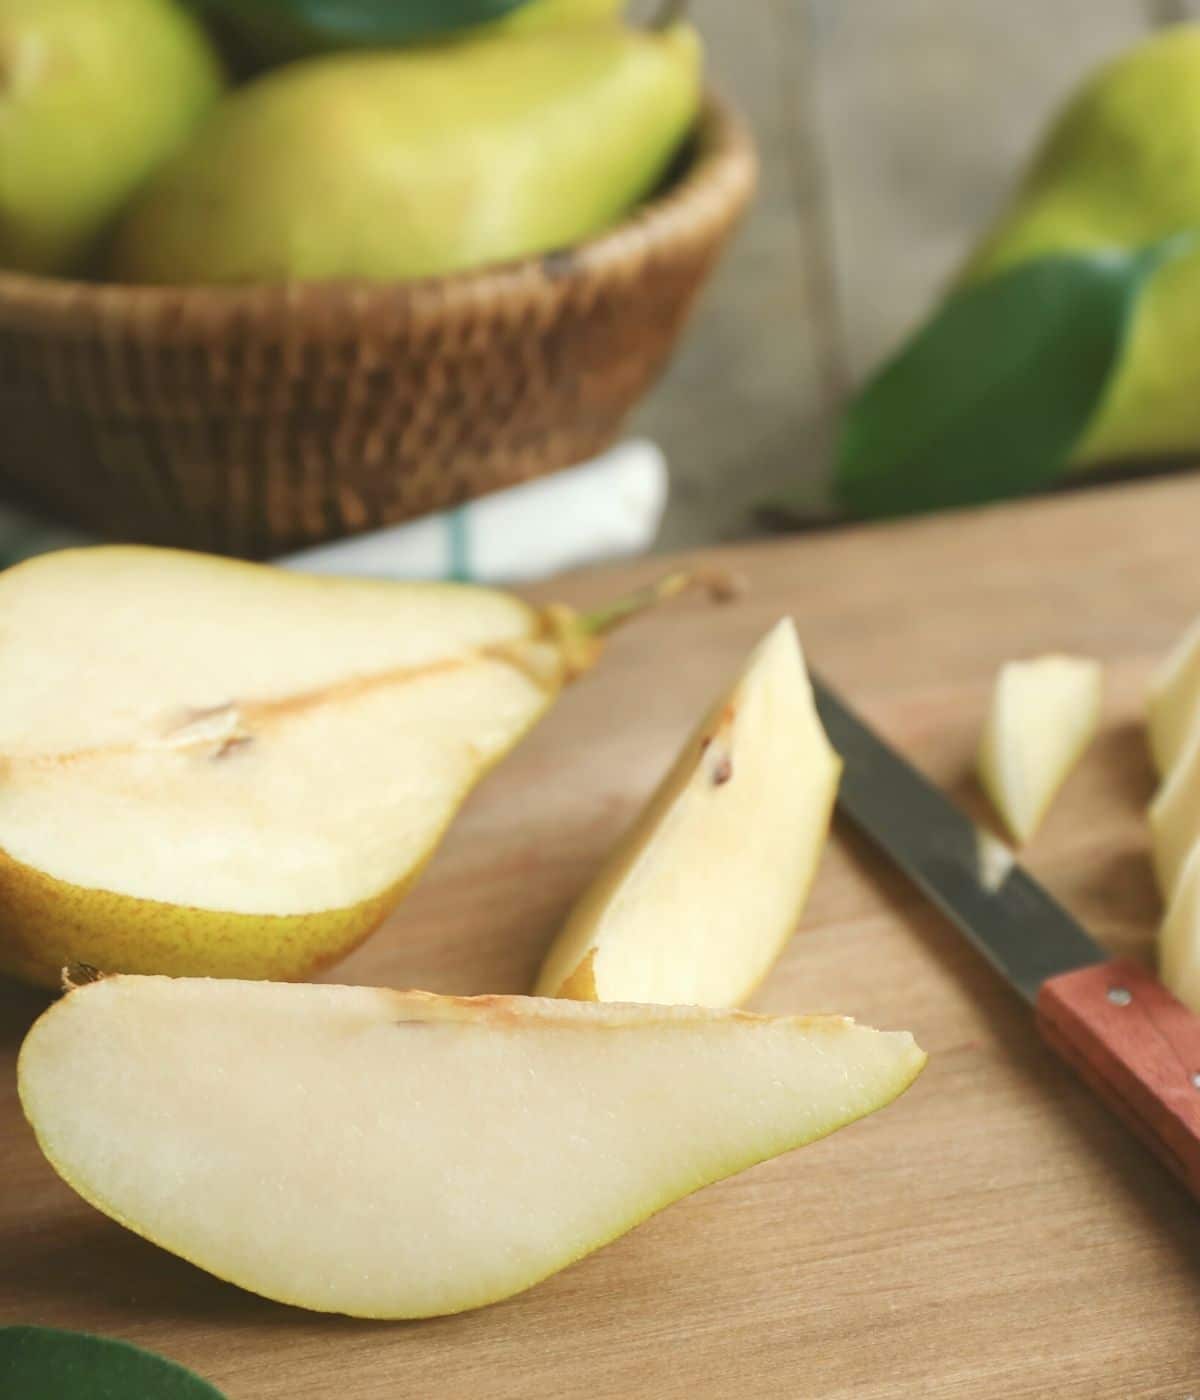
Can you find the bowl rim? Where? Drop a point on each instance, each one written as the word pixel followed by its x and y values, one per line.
pixel 713 186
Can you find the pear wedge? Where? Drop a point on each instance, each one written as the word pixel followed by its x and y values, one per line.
pixel 1175 817
pixel 1179 937
pixel 398 1154
pixel 1173 704
pixel 1044 713
pixel 225 769
pixel 699 897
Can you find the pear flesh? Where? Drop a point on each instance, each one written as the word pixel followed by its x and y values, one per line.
pixel 1175 818
pixel 1173 705
pixel 398 1154
pixel 697 900
pixel 1044 713
pixel 1179 937
pixel 417 163
pixel 216 768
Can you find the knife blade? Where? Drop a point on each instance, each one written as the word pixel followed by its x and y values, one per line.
pixel 1118 1027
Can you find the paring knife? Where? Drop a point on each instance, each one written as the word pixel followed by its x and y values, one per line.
pixel 1114 1023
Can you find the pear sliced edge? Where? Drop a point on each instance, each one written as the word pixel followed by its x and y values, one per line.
pixel 1173 701
pixel 1044 713
pixel 698 898
pixel 400 1154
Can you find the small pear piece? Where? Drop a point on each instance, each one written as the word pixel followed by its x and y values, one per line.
pixel 1173 704
pixel 1044 714
pixel 1175 817
pixel 210 768
pixel 398 1154
pixel 1119 168
pixel 698 898
pixel 1179 937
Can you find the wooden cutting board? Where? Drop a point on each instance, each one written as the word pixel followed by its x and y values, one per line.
pixel 992 1234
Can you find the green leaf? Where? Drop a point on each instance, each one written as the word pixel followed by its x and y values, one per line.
pixel 989 397
pixel 43 1363
pixel 281 29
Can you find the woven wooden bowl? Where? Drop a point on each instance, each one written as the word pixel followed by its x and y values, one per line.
pixel 255 420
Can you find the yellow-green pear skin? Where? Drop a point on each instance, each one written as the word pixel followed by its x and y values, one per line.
pixel 1120 168
pixel 417 162
pixel 550 14
pixel 273 33
pixel 50 924
pixel 221 769
pixel 395 1154
pixel 94 94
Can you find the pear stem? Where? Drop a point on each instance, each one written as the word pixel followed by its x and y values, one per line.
pixel 603 620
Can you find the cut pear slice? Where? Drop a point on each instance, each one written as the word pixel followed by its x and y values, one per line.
pixel 1173 704
pixel 1175 817
pixel 399 1154
pixel 1179 937
pixel 1044 714
pixel 222 768
pixel 698 898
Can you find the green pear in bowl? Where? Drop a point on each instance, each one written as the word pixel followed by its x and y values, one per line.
pixel 417 162
pixel 224 769
pixel 277 30
pixel 1120 168
pixel 93 96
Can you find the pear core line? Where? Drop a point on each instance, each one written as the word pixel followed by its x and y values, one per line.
pixel 222 729
pixel 572 640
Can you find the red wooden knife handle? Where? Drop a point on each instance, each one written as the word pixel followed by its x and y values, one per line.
pixel 1138 1047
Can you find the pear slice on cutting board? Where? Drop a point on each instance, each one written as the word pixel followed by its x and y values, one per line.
pixel 1179 936
pixel 216 768
pixel 1043 715
pixel 697 900
pixel 1174 817
pixel 398 1154
pixel 1173 704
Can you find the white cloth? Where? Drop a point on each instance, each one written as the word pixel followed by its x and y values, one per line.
pixel 607 508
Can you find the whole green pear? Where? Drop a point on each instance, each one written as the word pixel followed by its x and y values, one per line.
pixel 1120 168
pixel 273 31
pixel 93 95
pixel 417 162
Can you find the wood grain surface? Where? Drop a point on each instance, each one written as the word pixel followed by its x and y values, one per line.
pixel 995 1233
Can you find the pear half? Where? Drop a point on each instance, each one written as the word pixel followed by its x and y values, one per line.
pixel 1179 937
pixel 398 1154
pixel 1173 704
pixel 699 897
pixel 1044 713
pixel 217 768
